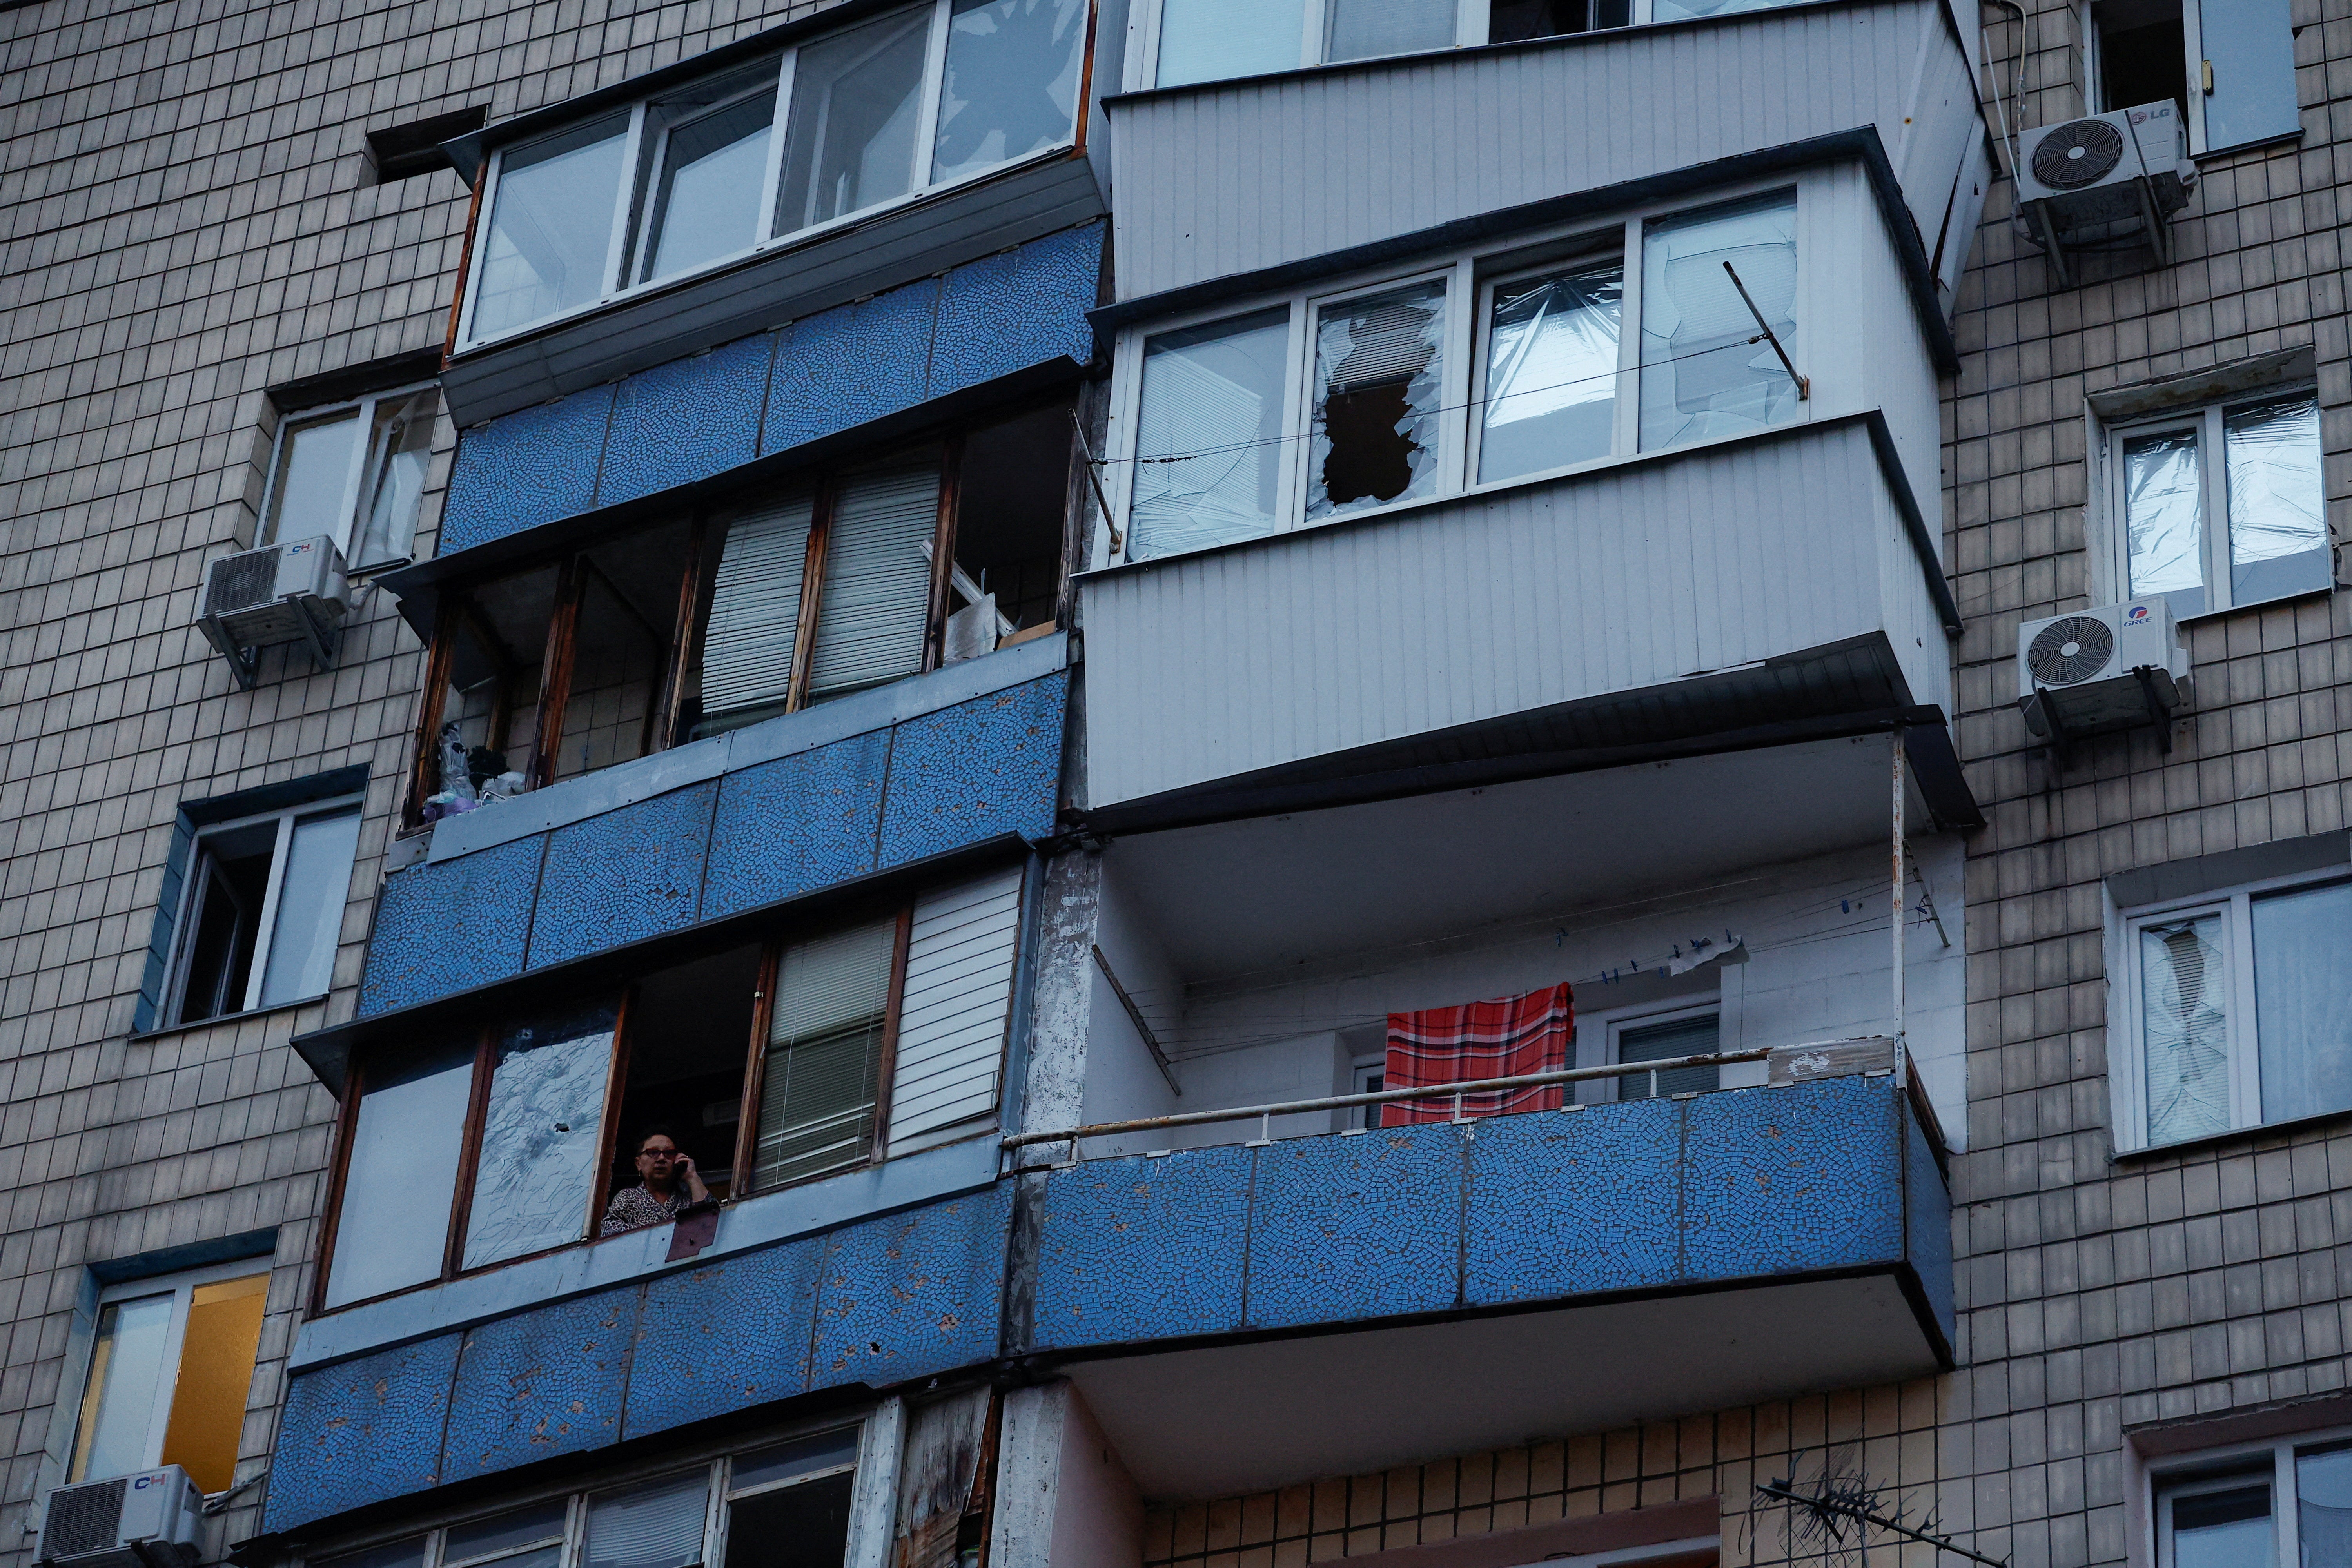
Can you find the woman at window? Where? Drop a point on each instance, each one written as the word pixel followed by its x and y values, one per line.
pixel 666 1183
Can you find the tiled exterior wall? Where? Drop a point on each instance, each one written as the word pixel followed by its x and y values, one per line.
pixel 1887 1436
pixel 184 222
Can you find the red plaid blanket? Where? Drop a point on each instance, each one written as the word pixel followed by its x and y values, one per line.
pixel 1501 1038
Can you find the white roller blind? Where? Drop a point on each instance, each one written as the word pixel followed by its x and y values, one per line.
pixel 747 654
pixel 825 1039
pixel 877 581
pixel 959 994
pixel 655 1525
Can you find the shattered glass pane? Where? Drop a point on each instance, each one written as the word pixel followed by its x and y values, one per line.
pixel 1551 371
pixel 1363 29
pixel 541 1136
pixel 2184 1023
pixel 1216 40
pixel 1706 370
pixel 1012 82
pixel 1209 436
pixel 1377 370
pixel 2278 523
pixel 2164 513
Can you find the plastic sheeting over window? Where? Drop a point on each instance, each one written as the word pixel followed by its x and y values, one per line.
pixel 1012 83
pixel 2278 518
pixel 1702 376
pixel 1209 440
pixel 2303 1013
pixel 1551 371
pixel 1378 372
pixel 2164 524
pixel 2184 1026
pixel 541 1136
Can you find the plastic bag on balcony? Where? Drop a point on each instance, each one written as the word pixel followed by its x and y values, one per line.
pixel 457 774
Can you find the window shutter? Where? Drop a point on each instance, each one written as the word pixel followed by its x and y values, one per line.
pixel 824 1044
pixel 747 654
pixel 877 581
pixel 959 995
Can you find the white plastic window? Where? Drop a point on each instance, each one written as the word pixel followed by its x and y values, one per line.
pixel 2229 1015
pixel 2222 506
pixel 354 474
pixel 1183 42
pixel 2284 1504
pixel 835 129
pixel 262 911
pixel 170 1370
pixel 1395 390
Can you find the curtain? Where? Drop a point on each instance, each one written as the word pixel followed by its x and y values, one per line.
pixel 1499 1039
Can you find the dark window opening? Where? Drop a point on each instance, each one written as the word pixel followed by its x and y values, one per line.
pixel 689 1038
pixel 1512 20
pixel 403 152
pixel 2142 54
pixel 1012 489
pixel 233 883
pixel 804 1526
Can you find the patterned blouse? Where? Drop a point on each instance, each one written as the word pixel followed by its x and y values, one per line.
pixel 633 1209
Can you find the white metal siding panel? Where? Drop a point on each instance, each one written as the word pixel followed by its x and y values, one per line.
pixel 1329 639
pixel 1230 179
pixel 959 959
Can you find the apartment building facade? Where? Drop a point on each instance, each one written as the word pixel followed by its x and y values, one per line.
pixel 1030 628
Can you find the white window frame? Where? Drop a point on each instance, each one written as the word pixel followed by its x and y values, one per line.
pixel 2192 60
pixel 1598 1031
pixel 182 1287
pixel 356 476
pixel 1470 277
pixel 2127 1075
pixel 2225 1468
pixel 875 1462
pixel 2213 497
pixel 625 236
pixel 266 928
pixel 1472 22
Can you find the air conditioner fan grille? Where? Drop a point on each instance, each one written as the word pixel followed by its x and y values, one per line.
pixel 2070 651
pixel 2078 153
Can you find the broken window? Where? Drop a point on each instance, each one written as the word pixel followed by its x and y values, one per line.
pixel 1011 81
pixel 2230 69
pixel 169 1371
pixel 850 1042
pixel 1379 372
pixel 1209 441
pixel 2213 534
pixel 1512 20
pixel 263 911
pixel 1012 491
pixel 1552 360
pixel 1706 370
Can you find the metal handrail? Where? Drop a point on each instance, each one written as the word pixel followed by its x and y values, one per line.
pixel 1455 1091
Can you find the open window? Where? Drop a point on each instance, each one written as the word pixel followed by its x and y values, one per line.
pixel 848 580
pixel 169 1371
pixel 355 473
pixel 261 912
pixel 822 1049
pixel 2229 67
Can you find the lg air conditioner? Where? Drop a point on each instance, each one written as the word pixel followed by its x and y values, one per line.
pixel 2104 177
pixel 151 1520
pixel 288 593
pixel 2096 670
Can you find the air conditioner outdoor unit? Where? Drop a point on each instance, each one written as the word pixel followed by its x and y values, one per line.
pixel 2101 176
pixel 288 593
pixel 151 1520
pixel 2107 669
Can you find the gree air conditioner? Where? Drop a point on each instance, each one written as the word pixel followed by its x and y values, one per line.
pixel 2109 668
pixel 151 1520
pixel 2104 177
pixel 292 592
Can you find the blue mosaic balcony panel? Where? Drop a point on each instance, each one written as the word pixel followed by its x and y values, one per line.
pixel 696 417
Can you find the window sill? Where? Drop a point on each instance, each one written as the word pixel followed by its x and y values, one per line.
pixel 2216 1142
pixel 247 1017
pixel 2211 618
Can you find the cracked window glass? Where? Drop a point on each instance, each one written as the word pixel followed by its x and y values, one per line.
pixel 1377 378
pixel 541 1136
pixel 2184 1020
pixel 1209 441
pixel 1012 82
pixel 1705 371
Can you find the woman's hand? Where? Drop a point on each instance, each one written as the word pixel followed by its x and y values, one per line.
pixel 684 1170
